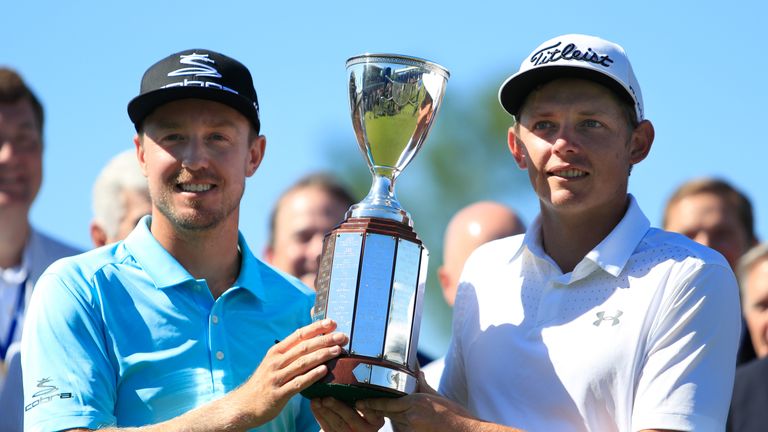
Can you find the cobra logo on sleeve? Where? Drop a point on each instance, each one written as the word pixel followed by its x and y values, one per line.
pixel 46 392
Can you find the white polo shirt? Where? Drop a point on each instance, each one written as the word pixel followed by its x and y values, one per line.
pixel 641 334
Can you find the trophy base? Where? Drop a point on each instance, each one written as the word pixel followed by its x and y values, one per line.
pixel 350 379
pixel 346 393
pixel 371 282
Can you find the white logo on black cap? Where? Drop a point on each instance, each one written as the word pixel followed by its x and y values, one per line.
pixel 199 69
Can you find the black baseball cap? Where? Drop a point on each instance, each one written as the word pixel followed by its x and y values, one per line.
pixel 196 74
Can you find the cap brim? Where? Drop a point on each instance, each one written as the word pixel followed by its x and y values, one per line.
pixel 141 106
pixel 516 88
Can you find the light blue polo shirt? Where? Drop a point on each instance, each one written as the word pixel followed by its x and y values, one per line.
pixel 123 335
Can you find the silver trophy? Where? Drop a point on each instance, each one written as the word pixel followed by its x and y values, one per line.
pixel 373 267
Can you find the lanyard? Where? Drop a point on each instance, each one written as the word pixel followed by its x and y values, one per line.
pixel 14 319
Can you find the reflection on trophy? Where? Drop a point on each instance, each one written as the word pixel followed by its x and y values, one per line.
pixel 373 266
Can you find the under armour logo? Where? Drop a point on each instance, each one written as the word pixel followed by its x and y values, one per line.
pixel 601 317
pixel 198 68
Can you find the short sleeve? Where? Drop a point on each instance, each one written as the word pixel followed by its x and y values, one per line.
pixel 69 381
pixel 688 372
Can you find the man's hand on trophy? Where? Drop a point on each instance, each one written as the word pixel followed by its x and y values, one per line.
pixel 420 412
pixel 415 412
pixel 336 416
pixel 423 385
pixel 289 367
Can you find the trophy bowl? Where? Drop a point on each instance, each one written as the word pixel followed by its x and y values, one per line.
pixel 394 100
pixel 373 266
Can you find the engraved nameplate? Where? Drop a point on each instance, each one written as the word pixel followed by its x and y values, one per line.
pixel 324 279
pixel 373 295
pixel 412 357
pixel 403 301
pixel 341 296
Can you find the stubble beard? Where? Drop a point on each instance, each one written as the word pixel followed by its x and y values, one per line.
pixel 195 217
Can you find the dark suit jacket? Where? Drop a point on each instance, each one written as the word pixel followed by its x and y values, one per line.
pixel 749 405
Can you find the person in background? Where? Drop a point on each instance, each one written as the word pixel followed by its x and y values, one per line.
pixel 472 226
pixel 592 319
pixel 178 327
pixel 714 213
pixel 750 391
pixel 120 199
pixel 25 252
pixel 299 221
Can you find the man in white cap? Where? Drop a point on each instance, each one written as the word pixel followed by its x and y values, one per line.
pixel 179 326
pixel 592 320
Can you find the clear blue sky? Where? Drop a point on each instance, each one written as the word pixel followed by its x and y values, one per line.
pixel 701 67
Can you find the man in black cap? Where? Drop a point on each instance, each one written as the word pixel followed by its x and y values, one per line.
pixel 178 326
pixel 591 320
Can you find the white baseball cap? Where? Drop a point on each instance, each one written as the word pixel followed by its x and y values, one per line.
pixel 573 56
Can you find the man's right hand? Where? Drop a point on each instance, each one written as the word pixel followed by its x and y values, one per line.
pixel 289 367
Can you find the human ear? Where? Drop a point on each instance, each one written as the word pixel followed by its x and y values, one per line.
pixel 140 154
pixel 516 148
pixel 269 255
pixel 256 153
pixel 641 141
pixel 98 236
pixel 447 285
